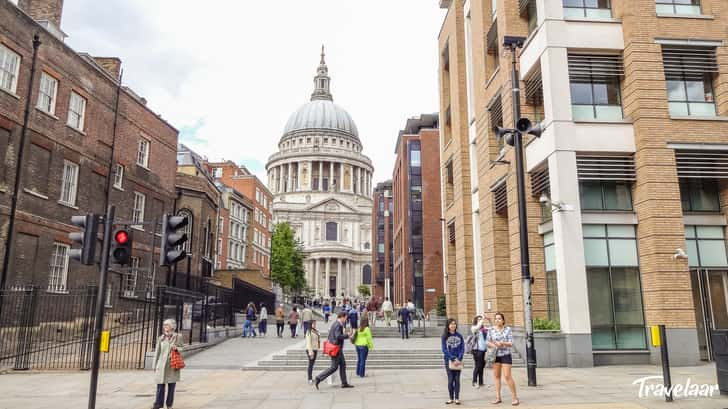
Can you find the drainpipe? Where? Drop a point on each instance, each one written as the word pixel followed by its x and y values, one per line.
pixel 113 142
pixel 19 167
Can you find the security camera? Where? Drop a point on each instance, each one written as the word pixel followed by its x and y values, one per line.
pixel 544 199
pixel 679 253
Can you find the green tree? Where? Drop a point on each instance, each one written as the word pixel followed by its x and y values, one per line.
pixel 364 290
pixel 286 260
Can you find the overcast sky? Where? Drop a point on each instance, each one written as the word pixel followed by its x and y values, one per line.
pixel 229 73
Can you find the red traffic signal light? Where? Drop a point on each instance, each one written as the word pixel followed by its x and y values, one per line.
pixel 121 247
pixel 121 237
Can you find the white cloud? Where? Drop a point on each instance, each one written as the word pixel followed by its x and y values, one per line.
pixel 233 71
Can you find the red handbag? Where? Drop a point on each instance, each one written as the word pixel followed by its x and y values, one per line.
pixel 176 361
pixel 331 349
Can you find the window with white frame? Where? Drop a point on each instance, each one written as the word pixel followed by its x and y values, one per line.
pixel 138 210
pixel 69 183
pixel 9 67
pixel 76 111
pixel 47 93
pixel 684 7
pixel 118 175
pixel 130 278
pixel 58 274
pixel 595 86
pixel 257 195
pixel 689 74
pixel 143 153
pixel 587 8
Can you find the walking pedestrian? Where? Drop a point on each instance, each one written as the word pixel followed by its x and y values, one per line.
pixel 453 349
pixel 248 329
pixel 263 322
pixel 501 338
pixel 306 317
pixel 327 312
pixel 293 321
pixel 164 374
pixel 479 333
pixel 353 318
pixel 313 343
pixel 336 336
pixel 280 320
pixel 387 309
pixel 412 310
pixel 403 318
pixel 364 344
pixel 372 311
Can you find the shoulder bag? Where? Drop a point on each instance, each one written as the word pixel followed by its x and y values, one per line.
pixel 455 365
pixel 330 349
pixel 176 361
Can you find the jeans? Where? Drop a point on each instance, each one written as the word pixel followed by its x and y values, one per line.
pixel 279 328
pixel 305 327
pixel 311 362
pixel 263 327
pixel 248 328
pixel 338 361
pixel 159 402
pixel 326 317
pixel 293 330
pixel 354 322
pixel 479 358
pixel 453 383
pixel 404 329
pixel 361 359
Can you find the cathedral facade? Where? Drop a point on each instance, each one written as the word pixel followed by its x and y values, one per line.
pixel 322 184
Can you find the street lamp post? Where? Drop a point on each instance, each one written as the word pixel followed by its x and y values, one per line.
pixel 522 125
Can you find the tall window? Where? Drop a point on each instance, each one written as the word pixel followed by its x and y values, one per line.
pixel 689 75
pixel 69 183
pixel 76 111
pixel 47 93
pixel 130 278
pixel 143 153
pixel 9 67
pixel 699 195
pixel 415 155
pixel 188 230
pixel 587 8
pixel 594 84
pixel 615 291
pixel 552 289
pixel 706 246
pixel 58 274
pixel 118 175
pixel 332 231
pixel 687 7
pixel 605 195
pixel 138 210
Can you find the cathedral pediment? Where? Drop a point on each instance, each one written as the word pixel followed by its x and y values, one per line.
pixel 331 205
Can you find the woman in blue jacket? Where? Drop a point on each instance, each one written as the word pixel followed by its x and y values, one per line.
pixel 453 349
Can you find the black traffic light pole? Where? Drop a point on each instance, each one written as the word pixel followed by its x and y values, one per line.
pixel 100 300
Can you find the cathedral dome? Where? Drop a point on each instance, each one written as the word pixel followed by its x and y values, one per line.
pixel 321 114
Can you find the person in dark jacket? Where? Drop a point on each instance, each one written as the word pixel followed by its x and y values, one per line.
pixel 337 336
pixel 353 318
pixel 453 350
pixel 403 318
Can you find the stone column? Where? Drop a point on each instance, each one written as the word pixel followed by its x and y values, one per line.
pixel 289 182
pixel 278 179
pixel 339 277
pixel 341 177
pixel 358 180
pixel 321 176
pixel 349 281
pixel 316 278
pixel 331 174
pixel 327 278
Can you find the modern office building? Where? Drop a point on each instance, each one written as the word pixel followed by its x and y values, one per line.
pixel 383 241
pixel 626 187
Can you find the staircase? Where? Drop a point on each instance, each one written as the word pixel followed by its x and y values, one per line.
pixel 296 360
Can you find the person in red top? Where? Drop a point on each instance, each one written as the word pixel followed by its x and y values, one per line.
pixel 293 321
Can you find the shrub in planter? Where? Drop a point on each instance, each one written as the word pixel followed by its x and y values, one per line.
pixel 542 324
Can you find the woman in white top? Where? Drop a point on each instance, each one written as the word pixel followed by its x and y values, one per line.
pixel 501 337
pixel 263 320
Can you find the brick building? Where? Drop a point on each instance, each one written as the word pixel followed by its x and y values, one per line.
pixel 236 214
pixel 240 179
pixel 382 243
pixel 198 198
pixel 73 153
pixel 626 193
pixel 416 219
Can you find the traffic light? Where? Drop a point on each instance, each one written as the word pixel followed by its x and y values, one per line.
pixel 89 225
pixel 121 243
pixel 170 248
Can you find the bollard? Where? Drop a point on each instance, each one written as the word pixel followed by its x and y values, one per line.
pixel 659 338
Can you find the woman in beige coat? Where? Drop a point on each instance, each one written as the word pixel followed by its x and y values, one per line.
pixel 313 342
pixel 163 373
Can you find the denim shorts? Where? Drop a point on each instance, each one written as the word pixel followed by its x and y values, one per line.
pixel 505 359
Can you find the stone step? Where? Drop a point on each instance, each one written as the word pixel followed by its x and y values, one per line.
pixel 371 364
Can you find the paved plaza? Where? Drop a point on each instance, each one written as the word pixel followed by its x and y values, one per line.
pixel 214 379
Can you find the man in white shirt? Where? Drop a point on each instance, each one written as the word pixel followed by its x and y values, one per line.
pixel 387 309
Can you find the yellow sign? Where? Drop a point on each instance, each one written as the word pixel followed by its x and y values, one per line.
pixel 105 338
pixel 656 342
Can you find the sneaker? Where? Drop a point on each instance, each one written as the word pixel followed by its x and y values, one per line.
pixel 449 402
pixel 310 381
pixel 475 384
pixel 347 385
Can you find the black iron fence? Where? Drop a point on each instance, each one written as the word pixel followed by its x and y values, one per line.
pixel 54 330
